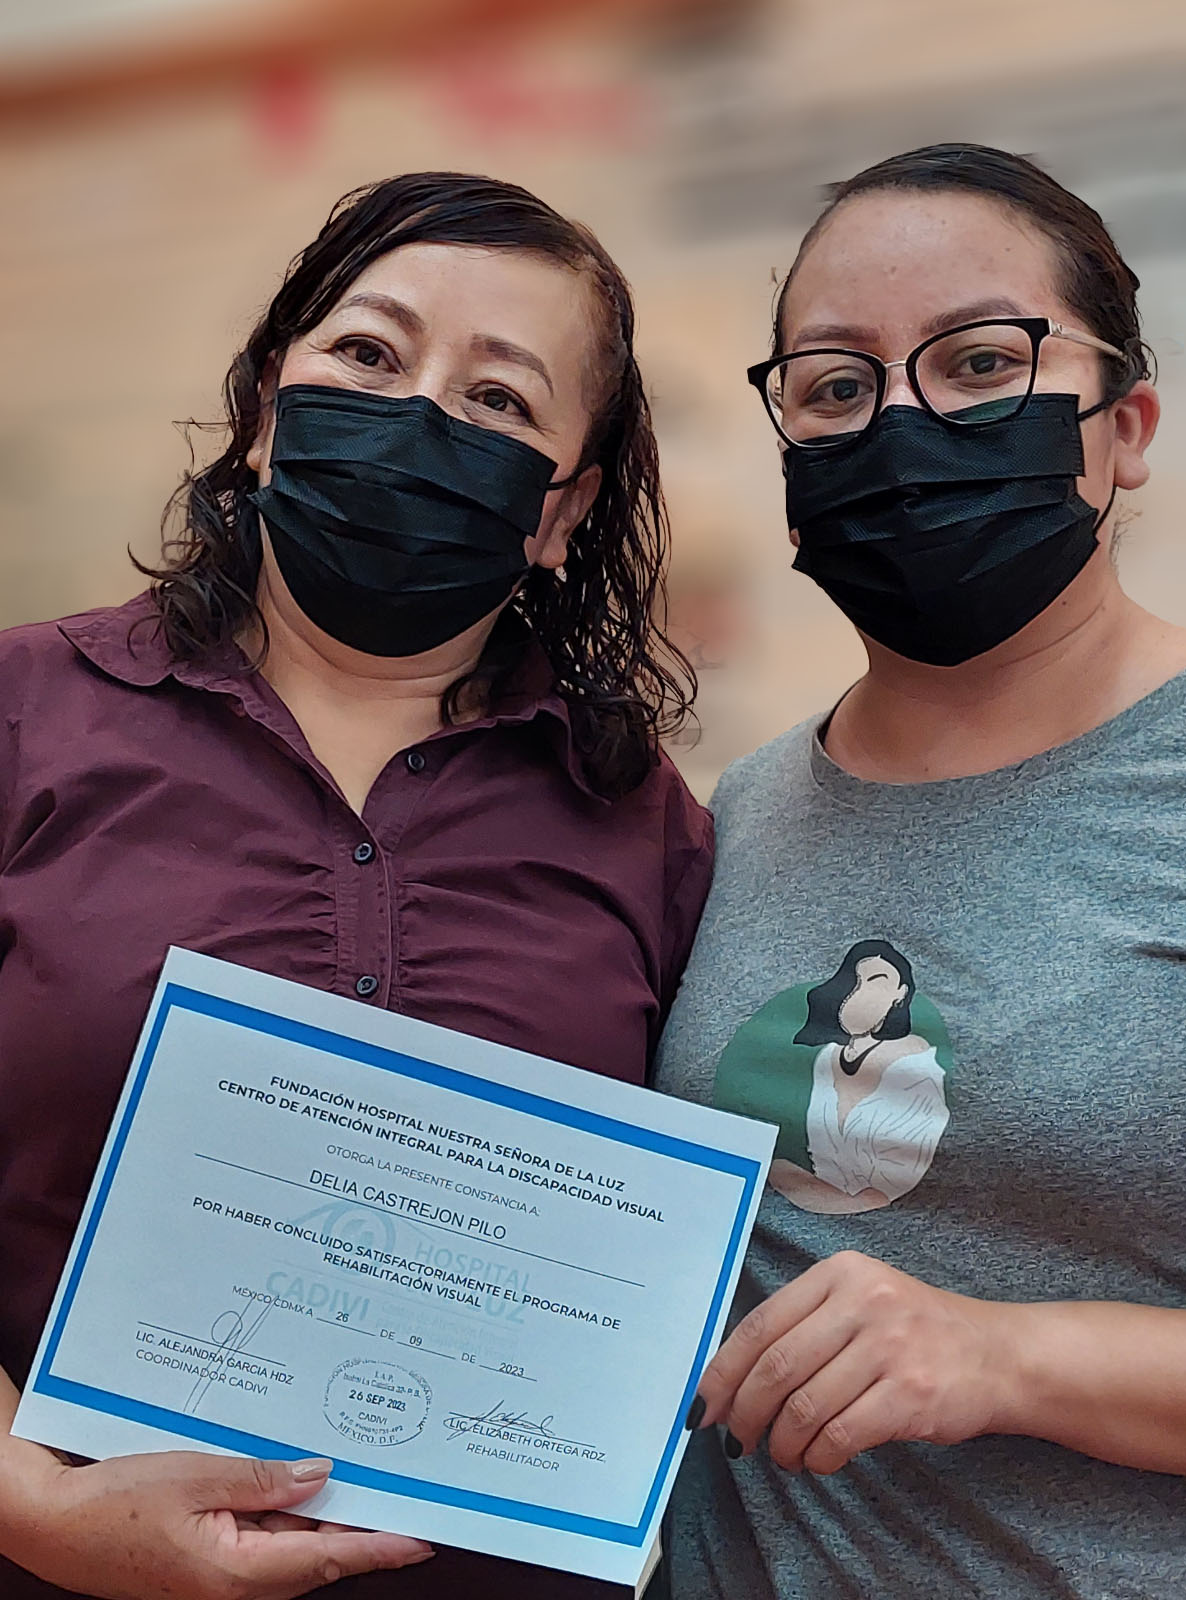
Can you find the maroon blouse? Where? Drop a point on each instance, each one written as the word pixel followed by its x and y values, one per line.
pixel 146 802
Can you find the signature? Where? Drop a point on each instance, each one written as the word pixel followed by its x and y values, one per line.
pixel 230 1334
pixel 458 1424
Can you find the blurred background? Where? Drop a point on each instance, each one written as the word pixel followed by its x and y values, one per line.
pixel 161 160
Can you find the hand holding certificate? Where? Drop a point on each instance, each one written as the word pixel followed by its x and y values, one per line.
pixel 483 1284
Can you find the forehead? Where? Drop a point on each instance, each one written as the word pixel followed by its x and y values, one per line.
pixel 894 260
pixel 877 967
pixel 463 292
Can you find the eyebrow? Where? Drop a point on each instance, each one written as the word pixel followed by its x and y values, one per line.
pixel 849 334
pixel 387 307
pixel 833 333
pixel 503 350
pixel 998 306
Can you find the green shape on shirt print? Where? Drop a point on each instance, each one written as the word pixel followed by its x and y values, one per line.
pixel 764 1073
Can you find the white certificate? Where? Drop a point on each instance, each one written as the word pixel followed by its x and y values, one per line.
pixel 484 1284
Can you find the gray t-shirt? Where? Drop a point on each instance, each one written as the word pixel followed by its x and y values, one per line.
pixel 964 1003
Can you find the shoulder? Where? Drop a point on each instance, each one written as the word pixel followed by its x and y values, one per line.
pixel 37 661
pixel 916 1062
pixel 34 647
pixel 60 680
pixel 754 785
pixel 43 695
pixel 687 827
pixel 46 657
pixel 824 1066
pixel 660 843
pixel 684 814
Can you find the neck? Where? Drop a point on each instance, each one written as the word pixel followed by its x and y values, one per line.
pixel 303 659
pixel 856 1044
pixel 1083 662
pixel 357 711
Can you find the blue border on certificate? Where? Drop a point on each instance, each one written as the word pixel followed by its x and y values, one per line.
pixel 179 997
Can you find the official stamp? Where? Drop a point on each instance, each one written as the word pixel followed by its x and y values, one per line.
pixel 376 1403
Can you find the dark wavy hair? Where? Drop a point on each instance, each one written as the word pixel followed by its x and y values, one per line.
pixel 824 1001
pixel 1094 279
pixel 601 625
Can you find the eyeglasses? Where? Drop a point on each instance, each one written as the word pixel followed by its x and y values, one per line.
pixel 979 373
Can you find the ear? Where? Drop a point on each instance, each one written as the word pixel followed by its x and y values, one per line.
pixel 1135 418
pixel 260 451
pixel 575 502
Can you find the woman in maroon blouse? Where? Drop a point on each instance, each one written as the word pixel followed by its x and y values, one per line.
pixel 386 723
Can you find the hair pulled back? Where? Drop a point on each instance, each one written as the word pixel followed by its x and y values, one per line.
pixel 1094 280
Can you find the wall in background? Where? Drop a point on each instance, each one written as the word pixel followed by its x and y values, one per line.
pixel 149 211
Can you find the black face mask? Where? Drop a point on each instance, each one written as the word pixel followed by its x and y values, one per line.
pixel 394 525
pixel 942 542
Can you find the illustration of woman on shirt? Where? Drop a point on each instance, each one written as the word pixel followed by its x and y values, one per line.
pixel 877 1109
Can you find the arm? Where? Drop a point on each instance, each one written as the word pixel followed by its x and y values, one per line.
pixel 1104 1378
pixel 854 1354
pixel 200 1527
pixel 686 897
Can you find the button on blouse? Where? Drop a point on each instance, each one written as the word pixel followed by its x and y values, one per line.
pixel 146 801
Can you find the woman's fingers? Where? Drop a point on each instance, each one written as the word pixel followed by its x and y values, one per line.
pixel 195 1524
pixel 282 1566
pixel 245 1485
pixel 754 1335
pixel 811 1410
pixel 794 1377
pixel 869 1421
pixel 281 1522
pixel 853 1354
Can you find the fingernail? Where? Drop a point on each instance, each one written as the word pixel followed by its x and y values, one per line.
pixel 421 1555
pixel 733 1447
pixel 696 1412
pixel 306 1471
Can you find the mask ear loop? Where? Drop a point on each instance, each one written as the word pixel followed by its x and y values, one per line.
pixel 1105 513
pixel 1082 416
pixel 558 483
pixel 563 483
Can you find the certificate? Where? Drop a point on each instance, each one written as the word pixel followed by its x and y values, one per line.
pixel 484 1284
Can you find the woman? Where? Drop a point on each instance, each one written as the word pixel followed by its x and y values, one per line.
pixel 876 1110
pixel 853 1070
pixel 385 724
pixel 979 1388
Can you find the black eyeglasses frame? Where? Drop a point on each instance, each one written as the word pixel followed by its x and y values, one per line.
pixel 1037 328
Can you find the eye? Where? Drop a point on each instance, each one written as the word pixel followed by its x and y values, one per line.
pixel 367 353
pixel 986 361
pixel 494 397
pixel 839 391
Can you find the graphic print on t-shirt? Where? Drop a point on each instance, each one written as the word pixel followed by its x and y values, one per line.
pixel 854 1070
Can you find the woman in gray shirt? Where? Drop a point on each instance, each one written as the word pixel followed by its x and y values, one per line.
pixel 946 947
